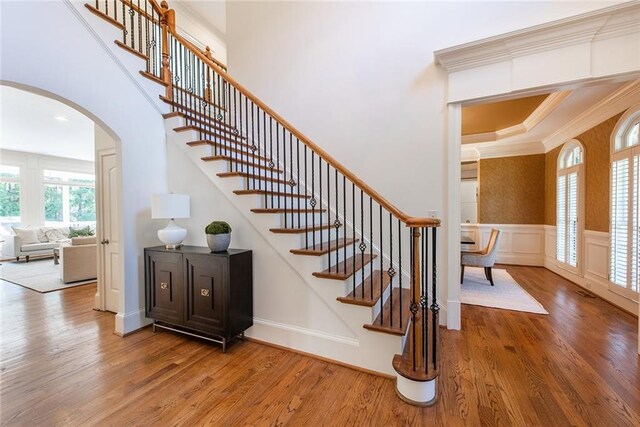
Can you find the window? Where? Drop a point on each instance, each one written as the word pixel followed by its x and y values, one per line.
pixel 624 259
pixel 9 195
pixel 69 197
pixel 568 198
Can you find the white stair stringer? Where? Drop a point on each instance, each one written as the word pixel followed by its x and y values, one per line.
pixel 370 350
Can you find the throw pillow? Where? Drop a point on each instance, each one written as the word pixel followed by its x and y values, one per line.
pixel 27 236
pixel 42 234
pixel 55 234
pixel 80 232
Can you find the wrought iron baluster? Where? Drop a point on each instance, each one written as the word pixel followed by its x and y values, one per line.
pixel 400 267
pixel 344 220
pixel 381 273
pixel 391 271
pixel 313 202
pixel 435 308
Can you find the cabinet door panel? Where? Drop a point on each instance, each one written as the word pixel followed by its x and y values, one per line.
pixel 204 278
pixel 164 287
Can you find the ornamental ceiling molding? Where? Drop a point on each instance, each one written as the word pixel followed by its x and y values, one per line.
pixel 613 21
pixel 540 113
pixel 615 103
pixel 620 100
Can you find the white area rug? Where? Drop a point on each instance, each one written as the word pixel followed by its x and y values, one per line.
pixel 40 275
pixel 506 294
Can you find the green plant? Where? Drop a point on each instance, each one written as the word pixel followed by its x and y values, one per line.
pixel 218 227
pixel 80 232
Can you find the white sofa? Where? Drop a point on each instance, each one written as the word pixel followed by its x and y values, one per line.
pixel 78 259
pixel 26 242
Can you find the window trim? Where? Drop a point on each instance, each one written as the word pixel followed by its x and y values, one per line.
pixel 579 168
pixel 19 181
pixel 617 152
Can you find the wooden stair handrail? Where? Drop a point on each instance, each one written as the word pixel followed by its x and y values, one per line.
pixel 410 221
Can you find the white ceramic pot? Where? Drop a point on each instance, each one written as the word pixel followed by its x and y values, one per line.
pixel 218 242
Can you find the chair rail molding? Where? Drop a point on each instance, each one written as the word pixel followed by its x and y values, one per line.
pixel 584 47
pixel 521 244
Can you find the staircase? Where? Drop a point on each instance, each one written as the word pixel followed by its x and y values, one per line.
pixel 330 225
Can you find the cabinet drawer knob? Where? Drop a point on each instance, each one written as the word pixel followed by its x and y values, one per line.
pixel 204 292
pixel 164 285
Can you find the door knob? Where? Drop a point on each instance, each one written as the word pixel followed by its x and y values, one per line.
pixel 105 241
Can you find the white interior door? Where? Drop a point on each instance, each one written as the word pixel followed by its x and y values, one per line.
pixel 109 232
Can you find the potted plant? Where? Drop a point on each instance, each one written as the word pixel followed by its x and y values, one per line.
pixel 218 236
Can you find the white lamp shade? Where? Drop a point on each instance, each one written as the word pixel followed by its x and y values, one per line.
pixel 170 206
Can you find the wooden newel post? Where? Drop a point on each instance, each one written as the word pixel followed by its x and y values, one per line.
pixel 207 89
pixel 417 344
pixel 168 21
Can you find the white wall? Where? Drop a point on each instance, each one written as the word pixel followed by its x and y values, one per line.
pixel 280 296
pixel 359 80
pixel 49 46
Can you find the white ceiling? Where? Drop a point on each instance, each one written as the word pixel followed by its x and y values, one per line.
pixel 28 123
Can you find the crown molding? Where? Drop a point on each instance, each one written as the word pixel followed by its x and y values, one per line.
pixel 620 20
pixel 494 150
pixel 545 108
pixel 615 103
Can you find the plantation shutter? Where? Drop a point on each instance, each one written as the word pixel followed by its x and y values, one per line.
pixel 635 225
pixel 561 218
pixel 620 179
pixel 572 219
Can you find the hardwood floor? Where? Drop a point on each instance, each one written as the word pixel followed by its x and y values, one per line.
pixel 60 364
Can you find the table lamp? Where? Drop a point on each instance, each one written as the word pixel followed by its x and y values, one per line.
pixel 170 206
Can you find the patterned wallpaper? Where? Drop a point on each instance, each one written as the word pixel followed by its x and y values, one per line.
pixel 511 190
pixel 596 142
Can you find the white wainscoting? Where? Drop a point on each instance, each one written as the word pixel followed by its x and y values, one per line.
pixel 595 267
pixel 520 244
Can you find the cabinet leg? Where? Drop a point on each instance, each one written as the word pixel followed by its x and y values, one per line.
pixel 224 345
pixel 242 336
pixel 154 327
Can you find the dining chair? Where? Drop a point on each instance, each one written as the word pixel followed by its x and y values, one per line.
pixel 485 258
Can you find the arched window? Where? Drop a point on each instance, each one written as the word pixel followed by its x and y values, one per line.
pixel 569 199
pixel 624 265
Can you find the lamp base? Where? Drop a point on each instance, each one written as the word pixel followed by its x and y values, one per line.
pixel 172 235
pixel 173 246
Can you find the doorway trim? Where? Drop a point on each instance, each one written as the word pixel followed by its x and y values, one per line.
pixel 584 49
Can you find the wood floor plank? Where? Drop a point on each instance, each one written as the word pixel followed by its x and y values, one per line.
pixel 61 364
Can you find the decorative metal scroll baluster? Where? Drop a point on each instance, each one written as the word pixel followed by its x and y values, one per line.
pixel 239 127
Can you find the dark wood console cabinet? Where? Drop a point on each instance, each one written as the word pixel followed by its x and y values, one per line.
pixel 198 292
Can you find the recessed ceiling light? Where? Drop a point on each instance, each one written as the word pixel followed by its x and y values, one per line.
pixel 61 118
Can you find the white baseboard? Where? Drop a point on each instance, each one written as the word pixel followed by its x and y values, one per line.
pixel 129 322
pixel 597 286
pixel 453 315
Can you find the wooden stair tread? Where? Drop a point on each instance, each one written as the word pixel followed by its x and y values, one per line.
pixel 301 230
pixel 203 119
pixel 403 365
pixel 155 79
pixel 282 210
pixel 387 318
pixel 272 193
pixel 230 147
pixel 198 97
pixel 324 248
pixel 242 162
pixel 131 50
pixel 345 269
pixel 363 295
pixel 192 111
pixel 104 16
pixel 214 132
pixel 251 176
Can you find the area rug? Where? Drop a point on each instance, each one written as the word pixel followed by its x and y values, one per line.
pixel 40 275
pixel 506 294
